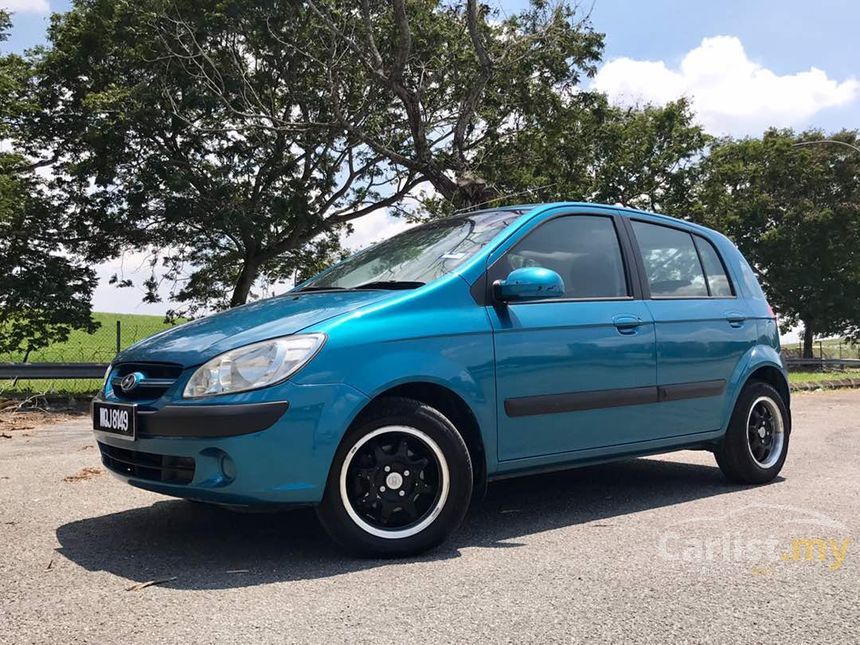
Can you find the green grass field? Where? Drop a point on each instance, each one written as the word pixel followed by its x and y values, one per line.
pixel 98 347
pixel 818 377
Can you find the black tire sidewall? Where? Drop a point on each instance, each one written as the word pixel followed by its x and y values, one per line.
pixel 408 413
pixel 735 458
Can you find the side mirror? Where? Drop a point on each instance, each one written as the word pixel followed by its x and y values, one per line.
pixel 529 283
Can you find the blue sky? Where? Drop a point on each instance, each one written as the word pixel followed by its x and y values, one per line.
pixel 784 37
pixel 745 64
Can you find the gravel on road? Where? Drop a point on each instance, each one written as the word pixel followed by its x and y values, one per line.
pixel 652 550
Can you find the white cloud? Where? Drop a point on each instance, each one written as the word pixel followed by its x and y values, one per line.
pixel 730 93
pixel 373 228
pixel 26 6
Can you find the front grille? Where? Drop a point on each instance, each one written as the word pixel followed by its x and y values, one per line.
pixel 160 376
pixel 147 465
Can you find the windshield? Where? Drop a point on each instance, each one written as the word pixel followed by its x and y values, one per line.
pixel 416 256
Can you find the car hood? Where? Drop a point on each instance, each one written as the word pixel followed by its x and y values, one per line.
pixel 198 341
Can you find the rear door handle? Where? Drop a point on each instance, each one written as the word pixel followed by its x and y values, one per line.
pixel 736 319
pixel 626 323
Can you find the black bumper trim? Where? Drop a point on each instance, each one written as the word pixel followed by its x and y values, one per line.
pixel 210 420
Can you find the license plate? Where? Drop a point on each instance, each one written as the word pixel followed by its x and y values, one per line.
pixel 117 418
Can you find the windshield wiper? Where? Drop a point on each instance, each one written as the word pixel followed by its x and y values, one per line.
pixel 390 284
pixel 315 288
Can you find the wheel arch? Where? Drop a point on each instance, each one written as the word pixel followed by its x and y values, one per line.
pixel 762 363
pixel 455 409
pixel 774 377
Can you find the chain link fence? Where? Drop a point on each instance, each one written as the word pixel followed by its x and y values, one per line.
pixel 114 334
pixel 826 349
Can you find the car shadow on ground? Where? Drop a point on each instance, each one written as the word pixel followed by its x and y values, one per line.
pixel 206 547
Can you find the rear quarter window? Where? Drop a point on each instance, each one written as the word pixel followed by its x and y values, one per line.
pixel 751 283
pixel 719 284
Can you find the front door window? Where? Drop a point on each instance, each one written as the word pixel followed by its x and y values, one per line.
pixel 583 249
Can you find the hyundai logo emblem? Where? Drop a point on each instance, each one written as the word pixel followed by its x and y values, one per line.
pixel 130 381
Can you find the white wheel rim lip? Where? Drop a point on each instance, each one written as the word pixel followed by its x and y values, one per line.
pixel 444 477
pixel 778 432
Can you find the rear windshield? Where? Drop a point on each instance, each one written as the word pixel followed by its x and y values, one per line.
pixel 416 256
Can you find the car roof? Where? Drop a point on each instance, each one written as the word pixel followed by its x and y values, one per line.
pixel 624 211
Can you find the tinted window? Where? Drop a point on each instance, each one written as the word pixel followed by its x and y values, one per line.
pixel 671 262
pixel 749 279
pixel 715 272
pixel 584 250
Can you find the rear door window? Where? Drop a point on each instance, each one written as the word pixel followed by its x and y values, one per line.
pixel 671 261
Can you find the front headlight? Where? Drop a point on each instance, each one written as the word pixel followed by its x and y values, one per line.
pixel 253 366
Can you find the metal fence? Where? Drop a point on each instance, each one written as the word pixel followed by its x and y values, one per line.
pixel 829 349
pixel 75 367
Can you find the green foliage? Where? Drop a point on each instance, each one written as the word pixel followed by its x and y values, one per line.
pixel 798 378
pixel 44 290
pixel 99 346
pixel 85 347
pixel 44 293
pixel 795 214
pixel 585 149
pixel 236 141
pixel 197 131
pixel 455 78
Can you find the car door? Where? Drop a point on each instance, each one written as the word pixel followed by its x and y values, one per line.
pixel 576 372
pixel 702 327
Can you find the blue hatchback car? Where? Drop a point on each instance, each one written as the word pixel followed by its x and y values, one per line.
pixel 389 389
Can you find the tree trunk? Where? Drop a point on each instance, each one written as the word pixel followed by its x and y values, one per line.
pixel 467 191
pixel 808 337
pixel 250 269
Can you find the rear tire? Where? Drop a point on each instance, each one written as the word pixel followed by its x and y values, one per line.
pixel 400 482
pixel 755 445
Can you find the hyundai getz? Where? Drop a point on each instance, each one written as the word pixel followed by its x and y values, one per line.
pixel 389 389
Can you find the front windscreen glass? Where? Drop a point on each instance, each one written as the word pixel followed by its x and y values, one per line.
pixel 416 256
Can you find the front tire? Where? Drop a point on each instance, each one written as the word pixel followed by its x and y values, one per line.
pixel 400 482
pixel 755 446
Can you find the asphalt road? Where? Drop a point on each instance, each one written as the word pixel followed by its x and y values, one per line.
pixel 655 550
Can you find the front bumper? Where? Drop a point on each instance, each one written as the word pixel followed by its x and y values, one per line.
pixel 242 452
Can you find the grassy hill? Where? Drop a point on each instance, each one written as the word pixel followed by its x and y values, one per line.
pixel 98 347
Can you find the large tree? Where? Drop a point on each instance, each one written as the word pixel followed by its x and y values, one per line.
pixel 45 290
pixel 235 140
pixel 428 85
pixel 586 149
pixel 188 130
pixel 794 211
